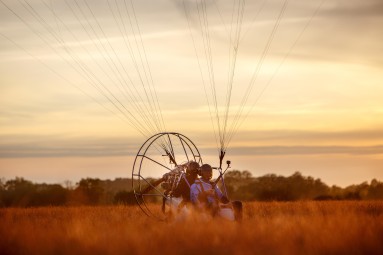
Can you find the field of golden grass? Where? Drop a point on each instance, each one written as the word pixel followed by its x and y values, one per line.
pixel 267 228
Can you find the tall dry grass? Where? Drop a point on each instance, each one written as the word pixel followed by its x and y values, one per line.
pixel 267 228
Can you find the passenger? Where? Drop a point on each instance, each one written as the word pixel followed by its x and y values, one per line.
pixel 204 194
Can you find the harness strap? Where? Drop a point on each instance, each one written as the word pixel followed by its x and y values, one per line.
pixel 201 185
pixel 204 193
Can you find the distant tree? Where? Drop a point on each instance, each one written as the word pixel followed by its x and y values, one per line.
pixel 2 192
pixel 336 192
pixel 89 191
pixel 241 185
pixel 49 194
pixel 18 192
pixel 2 184
pixel 375 190
pixel 271 187
pixel 68 185
pixel 125 197
pixel 236 179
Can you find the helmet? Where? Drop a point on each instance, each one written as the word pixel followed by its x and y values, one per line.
pixel 192 167
pixel 206 167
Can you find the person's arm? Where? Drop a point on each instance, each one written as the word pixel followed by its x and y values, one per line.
pixel 220 196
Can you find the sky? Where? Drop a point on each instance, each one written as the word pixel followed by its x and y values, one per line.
pixel 73 105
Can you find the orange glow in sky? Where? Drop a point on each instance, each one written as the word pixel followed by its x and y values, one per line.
pixel 316 105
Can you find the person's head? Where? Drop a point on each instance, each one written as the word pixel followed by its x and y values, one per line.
pixel 206 172
pixel 192 168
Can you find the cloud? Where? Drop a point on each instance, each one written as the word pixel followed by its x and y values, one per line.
pixel 305 137
pixel 353 9
pixel 307 150
pixel 123 149
pixel 27 146
pixel 270 143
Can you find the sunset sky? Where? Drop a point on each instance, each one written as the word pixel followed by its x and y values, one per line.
pixel 316 106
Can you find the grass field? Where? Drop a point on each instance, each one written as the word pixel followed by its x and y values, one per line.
pixel 267 228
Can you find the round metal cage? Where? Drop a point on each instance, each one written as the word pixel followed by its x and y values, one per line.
pixel 158 165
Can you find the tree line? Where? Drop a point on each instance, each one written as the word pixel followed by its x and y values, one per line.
pixel 243 186
pixel 240 185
